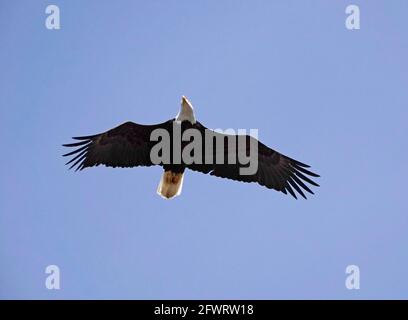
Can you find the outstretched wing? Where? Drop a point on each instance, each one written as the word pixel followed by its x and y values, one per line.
pixel 127 145
pixel 275 170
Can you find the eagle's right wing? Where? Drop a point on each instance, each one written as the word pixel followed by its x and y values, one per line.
pixel 127 145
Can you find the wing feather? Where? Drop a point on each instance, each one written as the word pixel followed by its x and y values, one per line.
pixel 127 145
pixel 275 170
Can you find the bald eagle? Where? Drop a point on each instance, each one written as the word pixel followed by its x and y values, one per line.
pixel 131 145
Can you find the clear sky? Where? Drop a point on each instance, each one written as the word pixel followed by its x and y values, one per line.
pixel 333 98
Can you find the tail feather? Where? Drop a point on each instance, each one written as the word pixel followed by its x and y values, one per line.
pixel 170 184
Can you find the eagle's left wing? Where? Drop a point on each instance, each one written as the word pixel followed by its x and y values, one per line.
pixel 275 170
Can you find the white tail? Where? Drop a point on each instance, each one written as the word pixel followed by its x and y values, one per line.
pixel 170 184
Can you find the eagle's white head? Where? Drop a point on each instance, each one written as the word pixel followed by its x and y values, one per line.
pixel 186 111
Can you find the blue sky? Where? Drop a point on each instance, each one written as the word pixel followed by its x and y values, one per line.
pixel 334 98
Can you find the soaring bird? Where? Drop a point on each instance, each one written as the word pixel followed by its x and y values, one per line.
pixel 132 145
